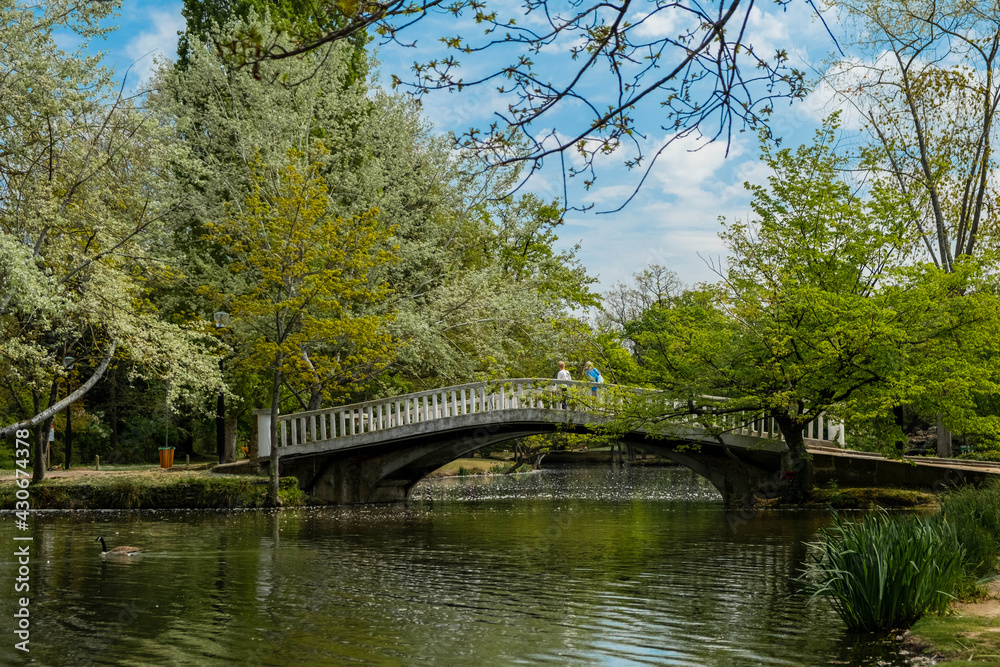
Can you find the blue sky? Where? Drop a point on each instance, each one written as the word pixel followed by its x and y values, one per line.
pixel 674 221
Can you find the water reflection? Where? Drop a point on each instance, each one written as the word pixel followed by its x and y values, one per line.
pixel 578 567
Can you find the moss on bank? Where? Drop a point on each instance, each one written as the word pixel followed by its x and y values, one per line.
pixel 869 498
pixel 166 492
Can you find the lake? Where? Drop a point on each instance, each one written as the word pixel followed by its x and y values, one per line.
pixel 571 566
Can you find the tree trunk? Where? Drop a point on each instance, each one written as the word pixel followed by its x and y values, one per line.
pixel 315 398
pixel 68 450
pixel 944 448
pixel 187 442
pixel 114 409
pixel 42 442
pixel 275 404
pixel 38 462
pixel 231 424
pixel 220 422
pixel 796 463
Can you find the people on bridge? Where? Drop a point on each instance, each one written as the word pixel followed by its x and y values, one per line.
pixel 563 374
pixel 594 375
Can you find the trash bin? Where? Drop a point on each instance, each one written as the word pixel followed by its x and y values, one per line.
pixel 166 457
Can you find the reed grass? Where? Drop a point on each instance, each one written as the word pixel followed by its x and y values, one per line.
pixel 884 572
pixel 975 515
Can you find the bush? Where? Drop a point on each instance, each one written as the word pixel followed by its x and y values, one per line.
pixel 885 572
pixel 6 458
pixel 975 516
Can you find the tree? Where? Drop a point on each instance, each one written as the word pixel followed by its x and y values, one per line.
pixel 700 77
pixel 493 301
pixel 474 286
pixel 821 309
pixel 929 93
pixel 81 218
pixel 307 267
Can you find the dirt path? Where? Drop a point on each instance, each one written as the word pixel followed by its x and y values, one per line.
pixel 89 474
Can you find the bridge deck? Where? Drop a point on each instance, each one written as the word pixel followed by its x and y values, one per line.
pixel 486 404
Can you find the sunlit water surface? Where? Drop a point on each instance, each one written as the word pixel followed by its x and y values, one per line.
pixel 590 566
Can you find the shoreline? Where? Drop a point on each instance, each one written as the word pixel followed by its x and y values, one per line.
pixel 183 487
pixel 968 634
pixel 229 486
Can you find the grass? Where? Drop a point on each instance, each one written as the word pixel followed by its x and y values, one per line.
pixel 464 467
pixel 153 488
pixel 884 572
pixel 958 640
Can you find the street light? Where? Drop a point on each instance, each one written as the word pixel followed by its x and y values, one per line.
pixel 69 363
pixel 221 319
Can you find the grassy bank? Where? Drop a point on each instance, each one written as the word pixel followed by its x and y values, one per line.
pixel 866 498
pixel 926 571
pixel 460 467
pixel 970 636
pixel 469 467
pixel 152 488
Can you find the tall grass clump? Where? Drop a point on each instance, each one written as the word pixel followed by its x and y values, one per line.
pixel 885 572
pixel 975 516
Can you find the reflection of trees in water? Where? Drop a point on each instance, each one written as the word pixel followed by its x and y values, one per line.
pixel 581 580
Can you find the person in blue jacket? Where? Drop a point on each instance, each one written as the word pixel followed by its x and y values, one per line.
pixel 593 374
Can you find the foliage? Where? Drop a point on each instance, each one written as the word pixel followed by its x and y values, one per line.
pixel 928 88
pixel 206 19
pixel 475 283
pixel 975 515
pixel 822 308
pixel 307 272
pixel 885 572
pixel 84 195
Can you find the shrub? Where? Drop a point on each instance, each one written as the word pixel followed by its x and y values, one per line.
pixel 975 516
pixel 885 572
pixel 126 494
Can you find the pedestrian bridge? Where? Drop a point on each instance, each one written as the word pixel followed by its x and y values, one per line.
pixel 376 451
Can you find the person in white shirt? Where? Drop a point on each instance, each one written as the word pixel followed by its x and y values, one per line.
pixel 563 374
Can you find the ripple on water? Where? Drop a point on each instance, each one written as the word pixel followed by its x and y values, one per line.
pixel 564 567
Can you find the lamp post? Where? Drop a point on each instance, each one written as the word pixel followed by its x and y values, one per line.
pixel 69 363
pixel 221 319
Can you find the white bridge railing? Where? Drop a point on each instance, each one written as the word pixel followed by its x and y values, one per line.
pixel 498 395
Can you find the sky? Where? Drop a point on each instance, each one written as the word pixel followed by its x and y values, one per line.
pixel 674 219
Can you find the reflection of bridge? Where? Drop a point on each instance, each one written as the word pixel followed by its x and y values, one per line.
pixel 377 451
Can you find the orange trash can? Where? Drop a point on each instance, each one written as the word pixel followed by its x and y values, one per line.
pixel 166 457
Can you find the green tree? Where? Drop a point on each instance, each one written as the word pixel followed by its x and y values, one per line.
pixel 929 90
pixel 82 205
pixel 822 309
pixel 307 268
pixel 461 304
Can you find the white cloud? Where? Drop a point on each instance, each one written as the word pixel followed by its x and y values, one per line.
pixel 668 22
pixel 690 163
pixel 159 42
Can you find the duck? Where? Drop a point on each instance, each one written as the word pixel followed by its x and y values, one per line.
pixel 117 551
